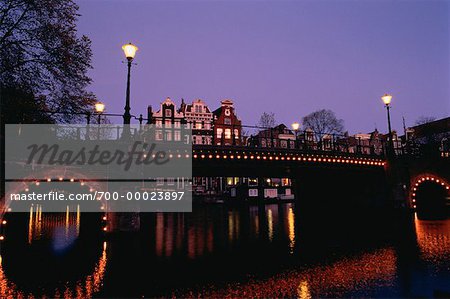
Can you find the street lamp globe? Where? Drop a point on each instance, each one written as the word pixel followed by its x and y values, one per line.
pixel 386 99
pixel 295 126
pixel 129 50
pixel 99 107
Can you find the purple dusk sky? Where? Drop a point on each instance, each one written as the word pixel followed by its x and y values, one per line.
pixel 288 57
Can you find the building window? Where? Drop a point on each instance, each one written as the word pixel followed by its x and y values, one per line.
pixel 232 181
pixel 253 182
pixel 159 123
pixel 236 133
pixel 168 124
pixel 177 136
pixel 285 182
pixel 198 125
pixel 227 121
pixel 227 133
pixel 158 135
pixel 170 181
pixel 219 132
pixel 283 143
pixel 168 113
pixel 159 181
pixel 177 124
pixel 168 136
pixel 252 192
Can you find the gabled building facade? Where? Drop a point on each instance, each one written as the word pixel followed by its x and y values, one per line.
pixel 278 137
pixel 227 126
pixel 199 118
pixel 168 121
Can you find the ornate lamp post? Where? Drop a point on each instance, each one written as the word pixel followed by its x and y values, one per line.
pixel 295 127
pixel 99 108
pixel 129 51
pixel 387 98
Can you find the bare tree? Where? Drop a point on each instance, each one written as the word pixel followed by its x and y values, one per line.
pixel 424 119
pixel 323 122
pixel 42 56
pixel 267 120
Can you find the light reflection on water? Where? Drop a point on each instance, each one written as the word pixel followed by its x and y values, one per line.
pixel 219 232
pixel 357 274
pixel 433 239
pixel 62 229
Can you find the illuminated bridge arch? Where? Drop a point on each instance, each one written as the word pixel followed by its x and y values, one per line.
pixel 30 184
pixel 430 195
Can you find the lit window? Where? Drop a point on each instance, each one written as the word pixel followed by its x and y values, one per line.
pixel 253 182
pixel 198 126
pixel 177 124
pixel 177 136
pixel 227 133
pixel 168 124
pixel 170 181
pixel 236 133
pixel 219 132
pixel 252 192
pixel 158 123
pixel 168 136
pixel 230 181
pixel 285 182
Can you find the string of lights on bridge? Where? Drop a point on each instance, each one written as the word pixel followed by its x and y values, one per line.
pixel 286 157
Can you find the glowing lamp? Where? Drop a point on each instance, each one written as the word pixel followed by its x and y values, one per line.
pixel 99 107
pixel 129 50
pixel 295 126
pixel 387 98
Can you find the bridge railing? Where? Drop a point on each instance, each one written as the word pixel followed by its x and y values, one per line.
pixel 250 136
pixel 278 138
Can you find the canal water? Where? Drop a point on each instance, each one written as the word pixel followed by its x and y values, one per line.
pixel 274 250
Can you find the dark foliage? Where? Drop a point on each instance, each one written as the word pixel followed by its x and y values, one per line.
pixel 42 58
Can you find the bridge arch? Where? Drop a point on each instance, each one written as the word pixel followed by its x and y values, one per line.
pixel 40 180
pixel 430 195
